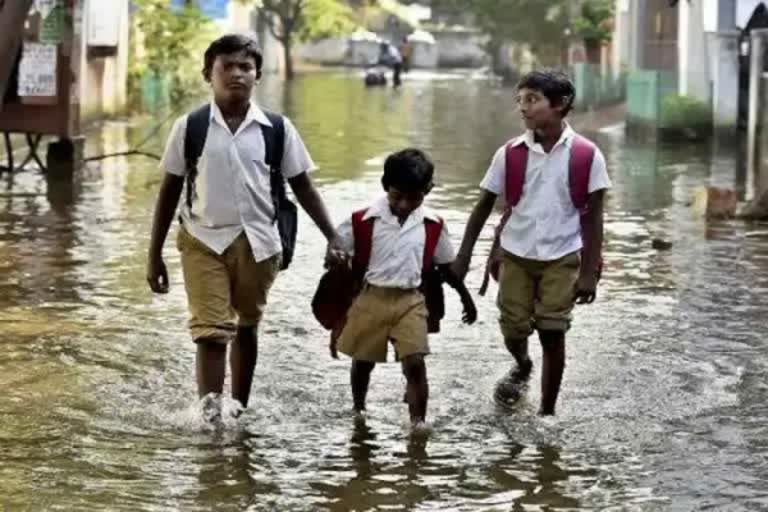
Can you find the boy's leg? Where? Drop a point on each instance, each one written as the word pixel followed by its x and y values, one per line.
pixel 242 363
pixel 553 347
pixel 410 339
pixel 360 377
pixel 517 291
pixel 417 390
pixel 553 319
pixel 212 319
pixel 250 281
pixel 364 339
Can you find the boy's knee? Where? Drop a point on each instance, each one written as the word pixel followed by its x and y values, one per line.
pixel 247 334
pixel 515 344
pixel 414 367
pixel 212 343
pixel 551 340
pixel 515 328
pixel 362 367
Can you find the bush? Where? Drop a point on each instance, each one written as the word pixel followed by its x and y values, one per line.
pixel 685 113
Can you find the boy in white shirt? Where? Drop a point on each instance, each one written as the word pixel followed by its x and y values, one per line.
pixel 231 240
pixel 394 243
pixel 545 266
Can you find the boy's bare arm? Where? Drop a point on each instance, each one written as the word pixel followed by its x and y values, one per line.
pixel 475 224
pixel 586 286
pixel 310 200
pixel 165 210
pixel 450 277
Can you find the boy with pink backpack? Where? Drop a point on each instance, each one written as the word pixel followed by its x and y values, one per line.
pixel 547 255
pixel 391 293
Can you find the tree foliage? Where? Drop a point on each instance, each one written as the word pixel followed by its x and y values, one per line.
pixel 295 20
pixel 542 25
pixel 173 42
pixel 594 24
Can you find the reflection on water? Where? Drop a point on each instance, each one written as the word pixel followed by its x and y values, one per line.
pixel 664 397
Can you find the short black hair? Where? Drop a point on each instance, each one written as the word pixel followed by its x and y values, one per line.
pixel 554 84
pixel 228 44
pixel 409 171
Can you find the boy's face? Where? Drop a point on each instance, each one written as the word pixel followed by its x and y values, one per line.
pixel 536 109
pixel 403 203
pixel 233 76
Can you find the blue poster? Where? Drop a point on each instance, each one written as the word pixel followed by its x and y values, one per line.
pixel 215 9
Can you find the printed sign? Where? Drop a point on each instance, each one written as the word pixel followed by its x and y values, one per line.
pixel 37 70
pixel 53 25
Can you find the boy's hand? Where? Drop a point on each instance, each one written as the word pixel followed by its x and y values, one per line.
pixel 460 266
pixel 335 333
pixel 335 254
pixel 585 290
pixel 157 275
pixel 470 311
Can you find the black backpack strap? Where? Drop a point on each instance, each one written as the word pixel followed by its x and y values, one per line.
pixel 194 141
pixel 274 146
pixel 274 140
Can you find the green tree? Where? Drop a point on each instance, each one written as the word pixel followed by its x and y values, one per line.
pixel 298 20
pixel 172 42
pixel 594 26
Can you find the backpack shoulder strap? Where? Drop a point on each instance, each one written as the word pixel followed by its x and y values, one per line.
pixel 433 230
pixel 580 167
pixel 274 140
pixel 516 162
pixel 194 142
pixel 195 134
pixel 362 231
pixel 274 145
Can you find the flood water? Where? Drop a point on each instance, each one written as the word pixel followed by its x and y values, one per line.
pixel 664 399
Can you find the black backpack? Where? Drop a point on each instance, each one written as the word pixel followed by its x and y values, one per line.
pixel 286 215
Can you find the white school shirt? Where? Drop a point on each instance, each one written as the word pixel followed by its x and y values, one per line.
pixel 232 184
pixel 544 225
pixel 397 252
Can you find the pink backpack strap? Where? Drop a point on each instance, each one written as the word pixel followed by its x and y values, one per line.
pixel 516 162
pixel 582 156
pixel 362 232
pixel 432 232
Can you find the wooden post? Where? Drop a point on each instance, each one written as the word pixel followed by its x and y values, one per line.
pixel 754 119
pixel 13 13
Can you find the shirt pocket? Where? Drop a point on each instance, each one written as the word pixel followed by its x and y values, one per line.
pixel 258 176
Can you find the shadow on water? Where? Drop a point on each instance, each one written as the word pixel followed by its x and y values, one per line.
pixel 663 403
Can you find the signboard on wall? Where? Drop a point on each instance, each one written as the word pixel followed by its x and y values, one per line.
pixel 104 18
pixel 37 71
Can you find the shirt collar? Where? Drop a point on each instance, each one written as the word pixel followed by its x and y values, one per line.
pixel 528 138
pixel 381 210
pixel 254 114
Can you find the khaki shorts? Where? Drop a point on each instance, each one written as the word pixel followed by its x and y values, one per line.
pixel 379 315
pixel 224 288
pixel 536 294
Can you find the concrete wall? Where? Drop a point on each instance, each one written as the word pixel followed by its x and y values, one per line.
pixel 456 51
pixel 332 51
pixel 695 79
pixel 104 70
pixel 425 55
pixel 460 49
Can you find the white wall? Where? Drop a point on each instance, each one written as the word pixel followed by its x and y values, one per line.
pixel 695 79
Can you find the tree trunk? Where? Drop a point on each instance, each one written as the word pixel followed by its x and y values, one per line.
pixel 287 43
pixel 593 49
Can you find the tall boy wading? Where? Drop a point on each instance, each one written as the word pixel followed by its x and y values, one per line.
pixel 230 244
